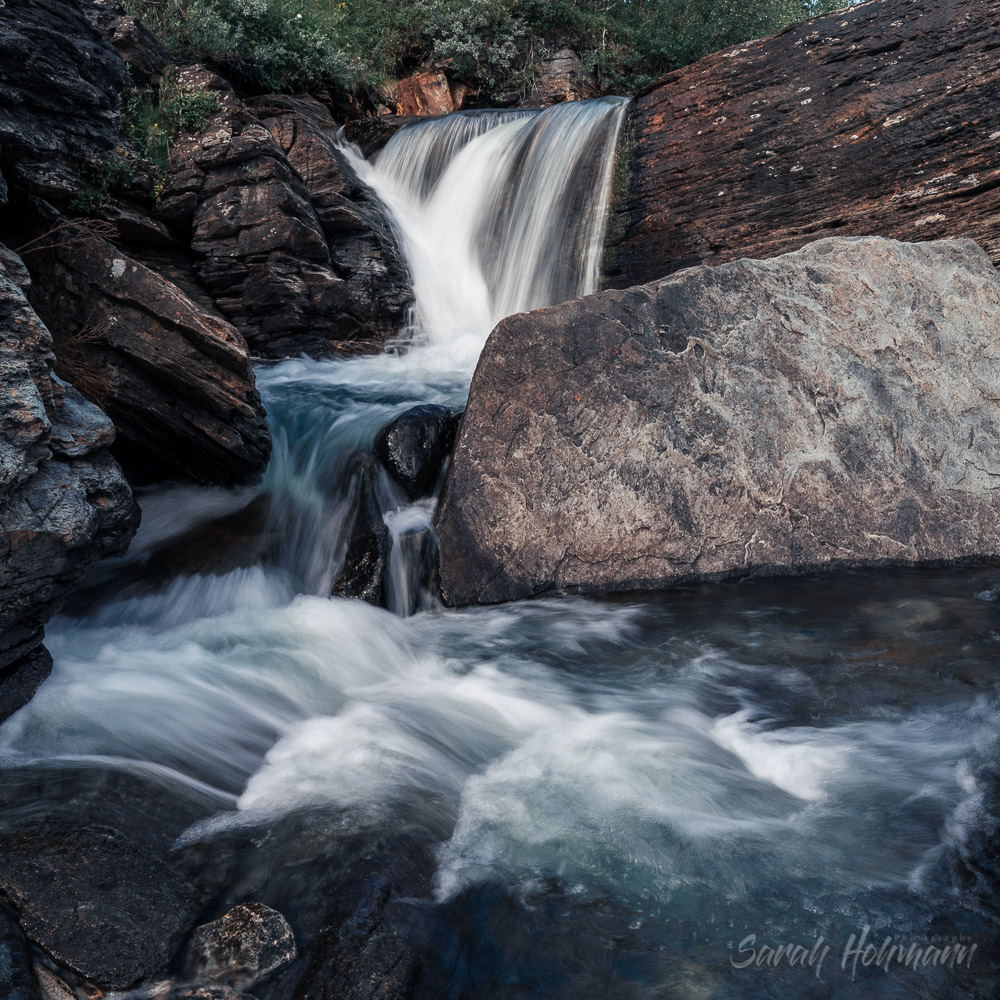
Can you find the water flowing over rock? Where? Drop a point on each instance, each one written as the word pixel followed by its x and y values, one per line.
pixel 368 543
pixel 832 407
pixel 64 502
pixel 175 378
pixel 881 118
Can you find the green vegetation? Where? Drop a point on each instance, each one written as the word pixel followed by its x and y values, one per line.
pixel 492 44
pixel 152 122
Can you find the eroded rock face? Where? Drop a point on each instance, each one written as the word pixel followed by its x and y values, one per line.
pixel 58 93
pixel 831 407
pixel 174 377
pixel 96 901
pixel 560 78
pixel 64 502
pixel 425 94
pixel 261 194
pixel 881 118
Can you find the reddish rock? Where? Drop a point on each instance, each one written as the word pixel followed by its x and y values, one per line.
pixel 424 95
pixel 882 118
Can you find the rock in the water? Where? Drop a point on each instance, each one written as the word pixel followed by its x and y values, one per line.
pixel 58 93
pixel 64 502
pixel 413 448
pixel 175 378
pixel 241 948
pixel 424 95
pixel 832 407
pixel 97 902
pixel 880 118
pixel 371 134
pixel 17 980
pixel 368 545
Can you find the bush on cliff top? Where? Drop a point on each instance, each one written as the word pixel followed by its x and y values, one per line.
pixel 493 44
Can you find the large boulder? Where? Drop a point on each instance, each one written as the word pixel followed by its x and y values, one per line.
pixel 174 377
pixel 58 93
pixel 881 118
pixel 64 502
pixel 831 407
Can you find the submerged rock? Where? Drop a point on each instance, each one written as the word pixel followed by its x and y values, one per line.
pixel 64 502
pixel 241 948
pixel 831 407
pixel 415 445
pixel 879 118
pixel 96 901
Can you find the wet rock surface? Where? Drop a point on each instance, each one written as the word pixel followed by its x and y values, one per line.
pixel 175 378
pixel 832 407
pixel 414 447
pixel 64 502
pixel 241 948
pixel 881 118
pixel 17 980
pixel 367 558
pixel 96 901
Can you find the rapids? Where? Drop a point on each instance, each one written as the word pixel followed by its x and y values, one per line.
pixel 617 794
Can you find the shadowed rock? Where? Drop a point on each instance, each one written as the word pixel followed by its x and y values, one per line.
pixel 413 448
pixel 368 545
pixel 96 901
pixel 880 118
pixel 831 407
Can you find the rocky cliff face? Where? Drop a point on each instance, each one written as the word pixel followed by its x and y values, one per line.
pixel 287 244
pixel 831 407
pixel 64 502
pixel 882 118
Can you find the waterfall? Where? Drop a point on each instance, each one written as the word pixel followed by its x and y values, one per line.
pixel 498 212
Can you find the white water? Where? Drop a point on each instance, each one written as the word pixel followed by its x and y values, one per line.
pixel 702 765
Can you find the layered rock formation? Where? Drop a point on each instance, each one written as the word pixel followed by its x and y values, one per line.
pixel 64 502
pixel 174 377
pixel 882 118
pixel 58 94
pixel 831 407
pixel 243 191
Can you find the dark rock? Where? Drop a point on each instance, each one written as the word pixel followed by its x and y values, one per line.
pixel 246 197
pixel 58 93
pixel 17 980
pixel 879 118
pixel 207 993
pixel 414 447
pixel 248 944
pixel 371 134
pixel 368 545
pixel 142 53
pixel 64 502
pixel 94 900
pixel 831 407
pixel 175 379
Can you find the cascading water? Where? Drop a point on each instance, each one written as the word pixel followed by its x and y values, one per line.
pixel 618 793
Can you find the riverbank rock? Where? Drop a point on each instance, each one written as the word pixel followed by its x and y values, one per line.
pixel 96 901
pixel 58 94
pixel 560 78
pixel 881 118
pixel 424 95
pixel 175 378
pixel 831 407
pixel 64 502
